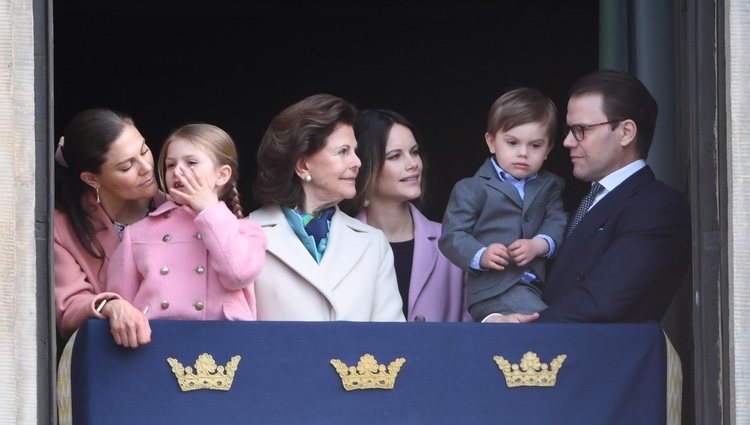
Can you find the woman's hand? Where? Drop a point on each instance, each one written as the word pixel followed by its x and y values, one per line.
pixel 194 192
pixel 129 326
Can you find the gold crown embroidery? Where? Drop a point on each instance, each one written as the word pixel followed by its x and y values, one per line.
pixel 531 372
pixel 207 375
pixel 368 374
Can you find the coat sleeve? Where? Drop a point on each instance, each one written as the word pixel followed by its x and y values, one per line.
pixel 456 241
pixel 236 247
pixel 75 294
pixel 123 276
pixel 387 305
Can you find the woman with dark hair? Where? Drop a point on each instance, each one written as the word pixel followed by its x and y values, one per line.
pixel 104 180
pixel 321 264
pixel 389 182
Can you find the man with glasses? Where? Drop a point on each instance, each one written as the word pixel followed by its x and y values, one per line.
pixel 627 247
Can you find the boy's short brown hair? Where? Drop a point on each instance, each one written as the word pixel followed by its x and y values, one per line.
pixel 522 106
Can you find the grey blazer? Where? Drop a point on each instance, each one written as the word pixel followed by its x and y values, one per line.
pixel 484 209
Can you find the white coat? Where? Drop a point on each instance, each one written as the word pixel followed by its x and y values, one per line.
pixel 354 281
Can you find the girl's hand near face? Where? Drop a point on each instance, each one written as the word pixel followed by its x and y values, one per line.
pixel 194 191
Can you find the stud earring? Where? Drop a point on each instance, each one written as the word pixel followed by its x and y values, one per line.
pixel 365 203
pixel 98 200
pixel 308 178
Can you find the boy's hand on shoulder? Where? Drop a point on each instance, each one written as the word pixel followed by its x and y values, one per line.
pixel 495 257
pixel 522 251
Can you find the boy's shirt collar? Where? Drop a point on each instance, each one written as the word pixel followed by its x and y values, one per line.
pixel 506 176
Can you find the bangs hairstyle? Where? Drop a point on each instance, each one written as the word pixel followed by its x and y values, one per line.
pixel 522 106
pixel 219 147
pixel 298 131
pixel 372 129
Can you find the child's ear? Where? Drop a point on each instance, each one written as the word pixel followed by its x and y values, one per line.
pixel 490 139
pixel 223 174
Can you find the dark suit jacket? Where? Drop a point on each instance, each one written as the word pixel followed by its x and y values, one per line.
pixel 484 209
pixel 625 259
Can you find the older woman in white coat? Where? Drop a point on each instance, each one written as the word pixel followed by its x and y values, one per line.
pixel 321 264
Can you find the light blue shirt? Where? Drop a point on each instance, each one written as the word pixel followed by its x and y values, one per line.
pixel 520 185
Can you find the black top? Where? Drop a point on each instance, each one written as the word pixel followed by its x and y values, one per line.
pixel 403 254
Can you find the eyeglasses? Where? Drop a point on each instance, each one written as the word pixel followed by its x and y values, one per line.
pixel 579 130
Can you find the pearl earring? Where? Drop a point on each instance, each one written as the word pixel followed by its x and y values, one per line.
pixel 98 200
pixel 308 178
pixel 366 203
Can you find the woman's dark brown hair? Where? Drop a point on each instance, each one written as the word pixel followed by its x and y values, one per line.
pixel 298 131
pixel 88 138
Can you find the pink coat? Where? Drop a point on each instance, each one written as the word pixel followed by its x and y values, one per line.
pixel 436 288
pixel 175 264
pixel 80 278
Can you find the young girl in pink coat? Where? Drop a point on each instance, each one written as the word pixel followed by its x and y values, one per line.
pixel 192 258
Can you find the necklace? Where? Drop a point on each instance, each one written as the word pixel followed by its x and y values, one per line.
pixel 120 227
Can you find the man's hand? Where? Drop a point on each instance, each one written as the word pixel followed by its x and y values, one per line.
pixel 510 318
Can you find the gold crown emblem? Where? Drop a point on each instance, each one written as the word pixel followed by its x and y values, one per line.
pixel 207 375
pixel 368 374
pixel 531 372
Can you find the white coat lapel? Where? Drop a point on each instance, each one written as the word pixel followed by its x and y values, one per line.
pixel 284 244
pixel 347 242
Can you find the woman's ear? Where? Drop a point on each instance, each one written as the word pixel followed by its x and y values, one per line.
pixel 90 179
pixel 223 174
pixel 301 169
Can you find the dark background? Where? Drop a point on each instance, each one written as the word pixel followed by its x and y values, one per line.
pixel 237 64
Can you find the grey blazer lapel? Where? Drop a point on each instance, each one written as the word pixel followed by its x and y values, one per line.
pixel 532 189
pixel 488 172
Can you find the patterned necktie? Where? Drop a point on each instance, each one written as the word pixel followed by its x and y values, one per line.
pixel 586 203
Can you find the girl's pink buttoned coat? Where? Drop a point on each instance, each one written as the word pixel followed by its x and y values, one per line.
pixel 176 264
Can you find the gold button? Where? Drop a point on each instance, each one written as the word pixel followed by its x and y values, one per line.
pixel 164 304
pixel 167 238
pixel 164 270
pixel 198 236
pixel 199 306
pixel 200 270
pixel 167 214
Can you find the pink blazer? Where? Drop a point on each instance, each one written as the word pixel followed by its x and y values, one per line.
pixel 79 276
pixel 436 288
pixel 175 264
